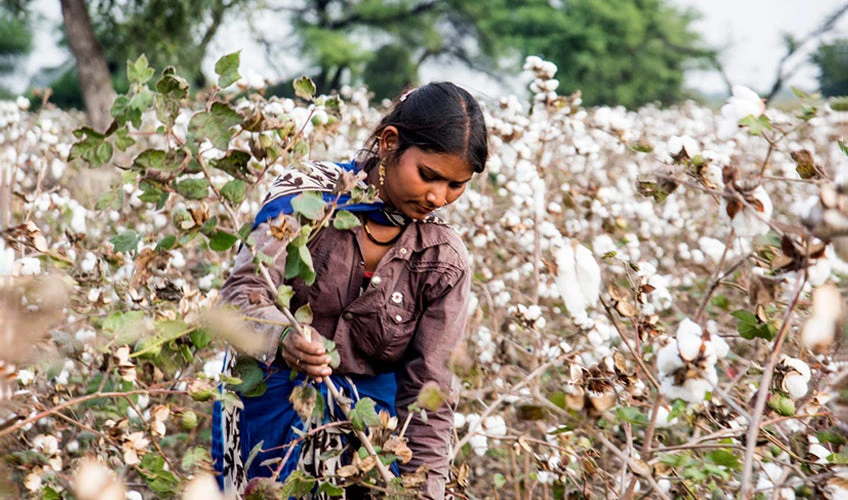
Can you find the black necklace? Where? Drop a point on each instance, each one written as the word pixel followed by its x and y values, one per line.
pixel 378 242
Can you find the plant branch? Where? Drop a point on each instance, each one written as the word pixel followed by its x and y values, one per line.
pixel 762 395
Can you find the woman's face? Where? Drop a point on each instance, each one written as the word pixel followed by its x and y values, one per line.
pixel 420 182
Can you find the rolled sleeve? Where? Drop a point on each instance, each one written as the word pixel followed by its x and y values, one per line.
pixel 248 290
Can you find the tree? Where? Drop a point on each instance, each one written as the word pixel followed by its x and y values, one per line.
pixel 15 38
pixel 94 75
pixel 628 52
pixel 382 43
pixel 832 60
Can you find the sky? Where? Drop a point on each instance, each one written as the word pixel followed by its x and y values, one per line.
pixel 748 32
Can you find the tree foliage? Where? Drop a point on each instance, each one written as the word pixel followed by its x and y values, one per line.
pixel 628 52
pixel 15 38
pixel 832 61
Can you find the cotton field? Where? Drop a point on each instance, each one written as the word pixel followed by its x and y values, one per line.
pixel 659 302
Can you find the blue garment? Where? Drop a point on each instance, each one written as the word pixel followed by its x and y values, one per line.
pixel 270 418
pixel 275 207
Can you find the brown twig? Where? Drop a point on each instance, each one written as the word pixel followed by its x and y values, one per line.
pixel 762 395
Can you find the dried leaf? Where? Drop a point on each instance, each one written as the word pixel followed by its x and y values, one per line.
pixel 626 309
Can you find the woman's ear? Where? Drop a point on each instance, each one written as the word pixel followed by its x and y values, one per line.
pixel 388 140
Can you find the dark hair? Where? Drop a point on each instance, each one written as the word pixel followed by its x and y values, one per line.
pixel 437 118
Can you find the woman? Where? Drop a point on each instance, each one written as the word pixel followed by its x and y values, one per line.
pixel 391 293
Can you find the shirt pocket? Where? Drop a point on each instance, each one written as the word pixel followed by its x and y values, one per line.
pixel 398 322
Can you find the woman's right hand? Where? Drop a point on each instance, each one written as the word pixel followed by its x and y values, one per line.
pixel 304 356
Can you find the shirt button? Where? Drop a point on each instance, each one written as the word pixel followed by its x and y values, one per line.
pixel 347 316
pixel 376 280
pixel 398 318
pixel 403 251
pixel 397 297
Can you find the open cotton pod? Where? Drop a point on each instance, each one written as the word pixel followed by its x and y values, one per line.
pixel 828 217
pixel 792 376
pixel 819 331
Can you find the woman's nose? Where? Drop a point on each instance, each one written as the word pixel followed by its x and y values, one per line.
pixel 436 198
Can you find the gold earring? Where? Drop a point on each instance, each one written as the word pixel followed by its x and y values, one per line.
pixel 382 172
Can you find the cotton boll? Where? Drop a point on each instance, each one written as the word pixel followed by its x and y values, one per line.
pixel 749 221
pixel 28 266
pixel 820 453
pixel 668 359
pixel 795 385
pixel 662 420
pixel 689 339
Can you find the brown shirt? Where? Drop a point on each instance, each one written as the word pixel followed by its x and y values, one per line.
pixel 408 320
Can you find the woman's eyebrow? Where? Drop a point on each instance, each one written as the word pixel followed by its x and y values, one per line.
pixel 436 175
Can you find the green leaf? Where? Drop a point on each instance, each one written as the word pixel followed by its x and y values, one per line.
pixel 141 101
pixel 284 296
pixel 92 148
pixel 221 241
pixel 641 147
pixel 234 191
pixel 725 458
pixel 123 139
pixel 557 398
pixel 297 485
pixel 195 456
pixel 364 414
pixel 125 242
pixel 214 125
pixel 756 125
pixel 153 194
pixel 798 92
pixel 304 314
pixel 304 88
pixel 193 189
pixel 839 104
pixel 750 327
pixel 227 69
pixel 431 397
pixel 330 349
pixel 499 480
pixel 843 147
pixel 252 455
pixel 330 489
pixel 299 261
pixel 832 435
pixel 109 198
pixel 631 415
pixel 166 243
pixel 48 493
pixel 139 71
pixel 208 227
pixel 156 159
pixel 235 163
pixel 158 479
pixel 309 204
pixel 172 84
pixel 677 409
pixel 251 375
pixel 345 220
pixel 200 338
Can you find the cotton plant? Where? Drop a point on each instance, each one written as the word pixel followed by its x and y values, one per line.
pixel 558 213
pixel 687 364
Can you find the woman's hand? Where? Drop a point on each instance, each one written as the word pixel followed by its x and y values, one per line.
pixel 304 356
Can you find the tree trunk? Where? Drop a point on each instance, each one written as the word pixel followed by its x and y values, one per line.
pixel 94 76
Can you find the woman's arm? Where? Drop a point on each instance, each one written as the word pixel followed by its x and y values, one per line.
pixel 440 329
